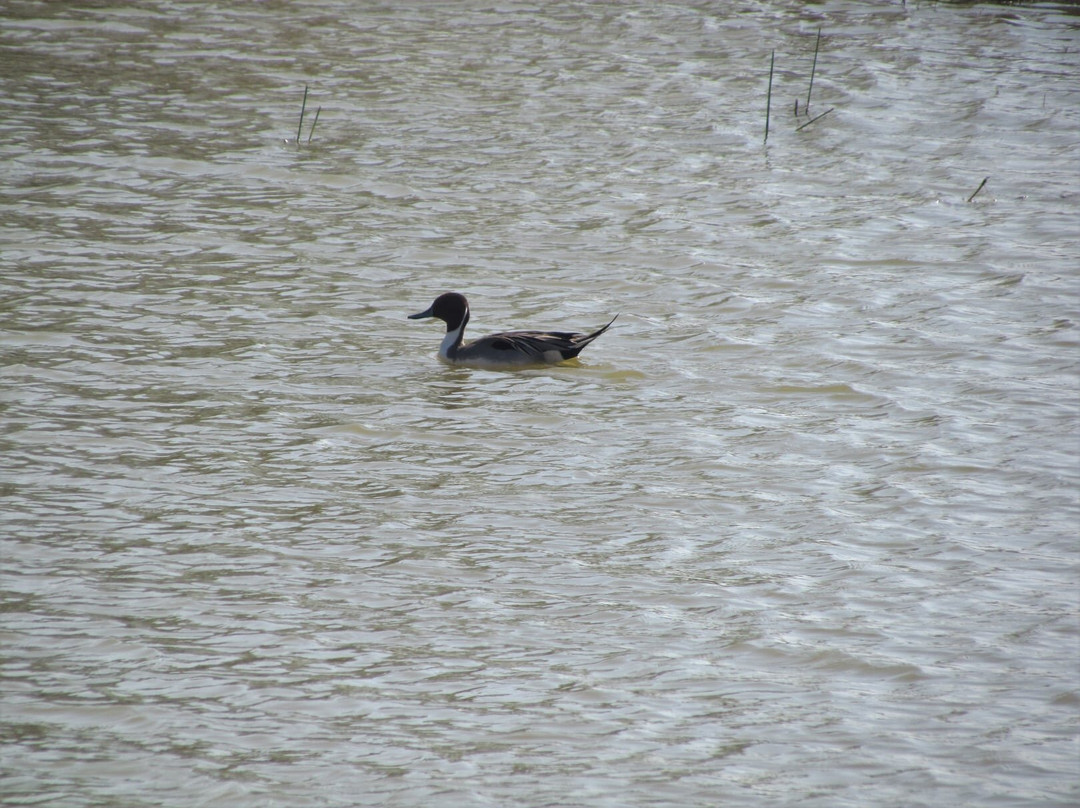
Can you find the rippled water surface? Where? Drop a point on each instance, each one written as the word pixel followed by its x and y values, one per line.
pixel 800 529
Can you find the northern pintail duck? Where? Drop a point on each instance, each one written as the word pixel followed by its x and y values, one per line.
pixel 510 349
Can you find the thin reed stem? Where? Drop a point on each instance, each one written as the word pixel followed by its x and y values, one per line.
pixel 302 107
pixel 813 70
pixel 314 123
pixel 981 184
pixel 768 97
pixel 817 118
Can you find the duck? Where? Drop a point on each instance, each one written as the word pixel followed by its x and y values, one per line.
pixel 504 351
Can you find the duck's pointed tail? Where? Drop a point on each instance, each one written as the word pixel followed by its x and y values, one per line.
pixel 581 340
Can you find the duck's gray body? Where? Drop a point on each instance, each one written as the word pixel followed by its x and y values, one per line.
pixel 510 349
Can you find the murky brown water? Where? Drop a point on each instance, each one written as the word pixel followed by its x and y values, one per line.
pixel 800 529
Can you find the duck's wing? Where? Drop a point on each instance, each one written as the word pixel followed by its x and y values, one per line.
pixel 533 345
pixel 538 345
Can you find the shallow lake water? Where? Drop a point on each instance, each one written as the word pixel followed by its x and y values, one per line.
pixel 800 529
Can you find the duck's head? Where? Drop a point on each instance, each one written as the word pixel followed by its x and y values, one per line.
pixel 452 308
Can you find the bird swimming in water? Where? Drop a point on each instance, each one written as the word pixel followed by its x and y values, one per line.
pixel 510 349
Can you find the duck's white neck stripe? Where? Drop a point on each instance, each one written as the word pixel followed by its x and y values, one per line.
pixel 449 341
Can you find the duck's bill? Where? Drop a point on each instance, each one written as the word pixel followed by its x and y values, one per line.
pixel 421 315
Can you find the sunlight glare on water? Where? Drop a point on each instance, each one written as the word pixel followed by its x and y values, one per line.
pixel 801 528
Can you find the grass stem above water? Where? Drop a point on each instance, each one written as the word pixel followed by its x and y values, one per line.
pixel 303 106
pixel 981 184
pixel 768 97
pixel 816 118
pixel 813 70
